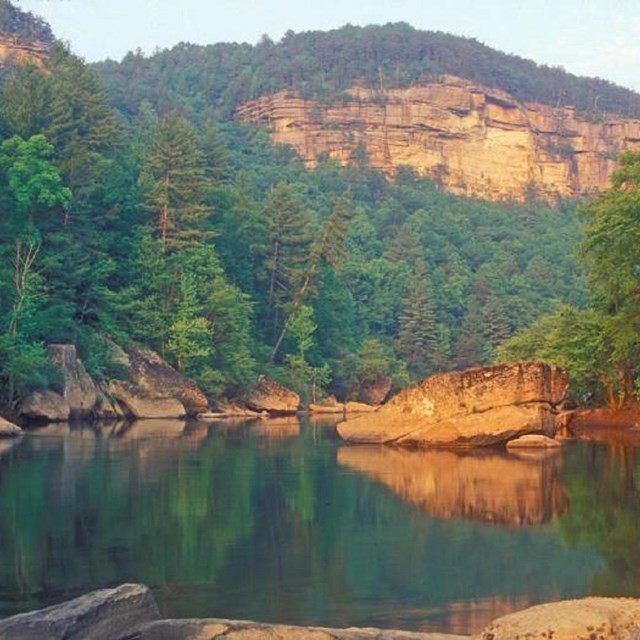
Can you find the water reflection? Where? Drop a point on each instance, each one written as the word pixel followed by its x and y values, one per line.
pixel 491 487
pixel 270 520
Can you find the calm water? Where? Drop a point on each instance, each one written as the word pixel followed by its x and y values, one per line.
pixel 279 521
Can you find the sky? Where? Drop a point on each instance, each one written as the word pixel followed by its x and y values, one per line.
pixel 587 37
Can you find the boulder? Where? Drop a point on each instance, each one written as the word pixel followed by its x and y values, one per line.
pixel 589 618
pixel 375 391
pixel 45 406
pixel 246 630
pixel 139 403
pixel 79 390
pixel 151 373
pixel 533 441
pixel 107 614
pixel 479 406
pixel 8 429
pixel 273 397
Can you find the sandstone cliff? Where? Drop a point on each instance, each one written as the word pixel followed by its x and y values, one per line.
pixel 472 140
pixel 17 50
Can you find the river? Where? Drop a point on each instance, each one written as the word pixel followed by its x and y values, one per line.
pixel 280 521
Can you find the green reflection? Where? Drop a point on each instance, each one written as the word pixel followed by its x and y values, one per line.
pixel 265 520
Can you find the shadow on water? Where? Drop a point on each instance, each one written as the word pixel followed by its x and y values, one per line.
pixel 279 521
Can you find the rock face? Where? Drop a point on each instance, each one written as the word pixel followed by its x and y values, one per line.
pixel 475 407
pixel 78 396
pixel 590 618
pixel 152 374
pixel 107 614
pixel 485 486
pixel 14 50
pixel 142 404
pixel 273 397
pixel 79 392
pixel 376 391
pixel 472 140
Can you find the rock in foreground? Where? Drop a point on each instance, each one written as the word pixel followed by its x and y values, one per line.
pixel 588 618
pixel 108 614
pixel 246 630
pixel 482 406
pixel 8 429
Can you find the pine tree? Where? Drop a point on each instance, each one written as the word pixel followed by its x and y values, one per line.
pixel 418 337
pixel 174 180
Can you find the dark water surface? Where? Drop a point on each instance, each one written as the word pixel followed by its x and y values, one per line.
pixel 279 521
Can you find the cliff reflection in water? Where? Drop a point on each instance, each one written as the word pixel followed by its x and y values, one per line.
pixel 488 486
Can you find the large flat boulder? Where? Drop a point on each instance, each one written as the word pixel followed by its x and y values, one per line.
pixel 246 630
pixel 589 618
pixel 151 373
pixel 141 404
pixel 273 397
pixel 108 614
pixel 475 407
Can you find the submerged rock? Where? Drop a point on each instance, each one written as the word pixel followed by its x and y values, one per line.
pixel 569 620
pixel 108 614
pixel 533 441
pixel 479 406
pixel 273 397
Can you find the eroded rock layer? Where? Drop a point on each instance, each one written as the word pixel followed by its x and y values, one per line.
pixel 472 140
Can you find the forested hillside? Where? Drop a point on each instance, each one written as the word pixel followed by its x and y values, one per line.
pixel 157 222
pixel 323 64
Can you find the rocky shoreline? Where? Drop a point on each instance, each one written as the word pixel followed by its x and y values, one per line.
pixel 129 612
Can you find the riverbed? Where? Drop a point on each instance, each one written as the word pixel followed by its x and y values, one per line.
pixel 278 520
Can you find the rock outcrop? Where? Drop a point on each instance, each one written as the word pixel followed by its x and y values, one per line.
pixel 13 49
pixel 485 486
pixel 471 139
pixel 589 618
pixel 79 391
pixel 45 406
pixel 273 397
pixel 152 374
pixel 140 404
pixel 75 400
pixel 475 407
pixel 107 614
pixel 8 429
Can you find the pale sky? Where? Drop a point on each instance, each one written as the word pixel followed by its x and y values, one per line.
pixel 587 37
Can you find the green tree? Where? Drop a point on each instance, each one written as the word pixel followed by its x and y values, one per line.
pixel 173 179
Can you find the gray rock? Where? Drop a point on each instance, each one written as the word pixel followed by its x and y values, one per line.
pixel 45 406
pixel 108 614
pixel 141 404
pixel 79 390
pixel 273 397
